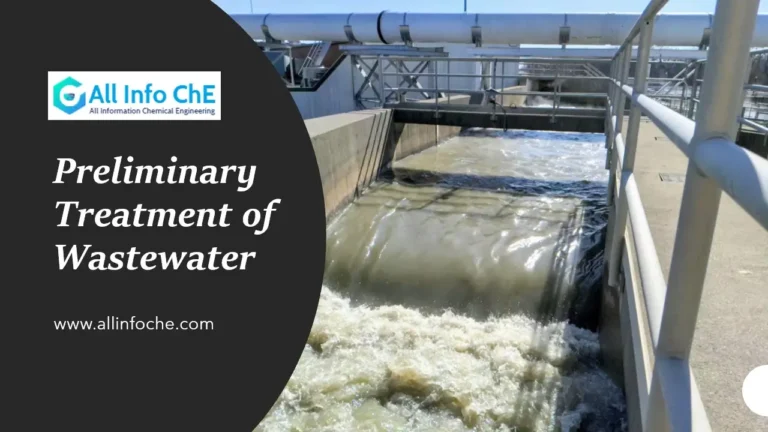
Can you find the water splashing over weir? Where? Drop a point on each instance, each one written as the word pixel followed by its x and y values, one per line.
pixel 460 295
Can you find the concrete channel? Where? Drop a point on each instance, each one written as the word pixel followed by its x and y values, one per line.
pixel 353 148
pixel 552 378
pixel 357 150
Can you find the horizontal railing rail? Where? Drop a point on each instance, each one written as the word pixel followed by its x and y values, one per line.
pixel 498 92
pixel 508 59
pixel 757 126
pixel 739 172
pixel 498 76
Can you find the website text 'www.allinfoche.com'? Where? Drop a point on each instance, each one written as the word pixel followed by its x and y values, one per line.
pixel 114 323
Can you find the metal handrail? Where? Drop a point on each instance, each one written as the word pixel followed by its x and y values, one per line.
pixel 729 168
pixel 754 125
pixel 466 75
pixel 756 87
pixel 510 59
pixel 716 163
pixel 506 93
pixel 649 13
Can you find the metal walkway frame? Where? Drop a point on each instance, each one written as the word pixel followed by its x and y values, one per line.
pixel 409 66
pixel 480 106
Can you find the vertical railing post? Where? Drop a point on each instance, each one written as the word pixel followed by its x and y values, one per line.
pixel 694 90
pixel 484 66
pixel 617 92
pixel 503 62
pixel 493 74
pixel 682 98
pixel 609 113
pixel 722 94
pixel 437 90
pixel 625 62
pixel 382 97
pixel 448 73
pixel 352 79
pixel 610 158
pixel 630 148
pixel 290 66
pixel 743 115
pixel 612 74
pixel 401 78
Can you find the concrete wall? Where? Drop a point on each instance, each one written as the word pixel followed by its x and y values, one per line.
pixel 333 97
pixel 352 148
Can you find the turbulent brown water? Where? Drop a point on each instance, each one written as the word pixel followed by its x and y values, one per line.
pixel 460 295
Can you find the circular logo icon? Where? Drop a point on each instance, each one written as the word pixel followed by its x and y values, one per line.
pixel 755 390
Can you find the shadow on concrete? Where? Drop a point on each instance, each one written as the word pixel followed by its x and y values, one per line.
pixel 375 147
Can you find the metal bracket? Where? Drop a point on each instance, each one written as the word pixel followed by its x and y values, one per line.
pixel 704 44
pixel 405 32
pixel 350 35
pixel 565 32
pixel 267 36
pixel 477 33
pixel 265 29
pixel 405 35
pixel 477 36
pixel 348 31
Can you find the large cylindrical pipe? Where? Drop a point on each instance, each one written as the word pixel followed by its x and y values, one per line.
pixel 580 29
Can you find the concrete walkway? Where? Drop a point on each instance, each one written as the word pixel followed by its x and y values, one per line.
pixel 732 330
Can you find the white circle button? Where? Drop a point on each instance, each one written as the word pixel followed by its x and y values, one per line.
pixel 755 390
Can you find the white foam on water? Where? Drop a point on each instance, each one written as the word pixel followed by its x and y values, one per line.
pixel 383 361
pixel 392 368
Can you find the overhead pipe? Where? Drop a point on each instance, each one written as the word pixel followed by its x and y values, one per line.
pixel 397 27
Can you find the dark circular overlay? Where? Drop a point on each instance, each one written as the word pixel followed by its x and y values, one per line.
pixel 221 380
